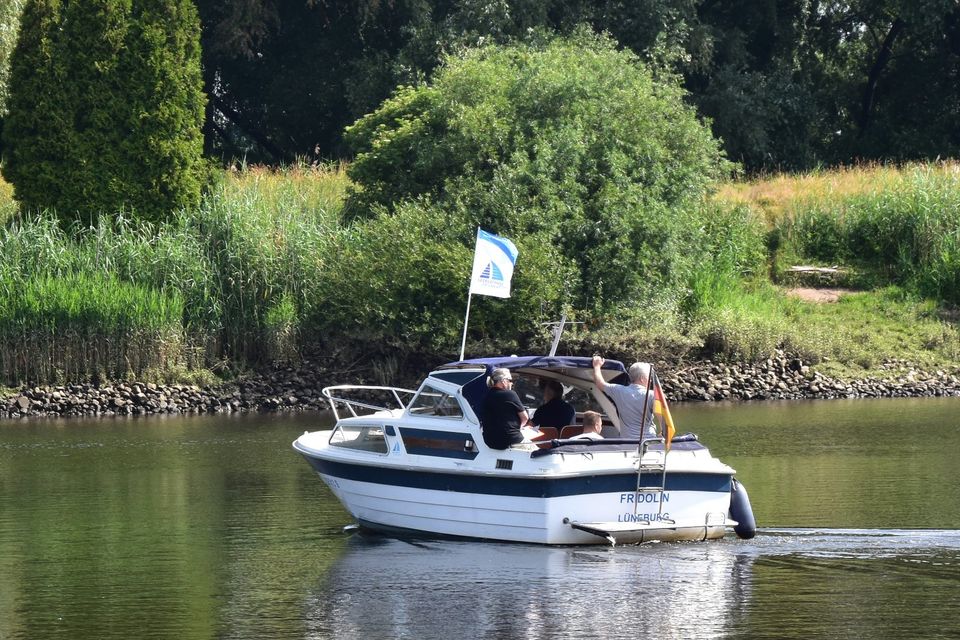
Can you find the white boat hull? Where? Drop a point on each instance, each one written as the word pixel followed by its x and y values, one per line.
pixel 627 516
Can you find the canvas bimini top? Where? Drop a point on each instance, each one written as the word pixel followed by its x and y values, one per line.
pixel 534 362
pixel 474 386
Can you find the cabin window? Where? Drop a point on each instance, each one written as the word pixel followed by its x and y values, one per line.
pixel 528 390
pixel 435 402
pixel 582 400
pixel 443 444
pixel 362 437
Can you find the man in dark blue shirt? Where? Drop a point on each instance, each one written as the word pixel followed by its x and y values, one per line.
pixel 503 413
pixel 555 411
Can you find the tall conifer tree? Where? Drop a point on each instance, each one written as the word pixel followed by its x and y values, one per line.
pixel 164 106
pixel 122 108
pixel 37 129
pixel 9 25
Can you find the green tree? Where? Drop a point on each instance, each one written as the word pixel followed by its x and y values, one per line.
pixel 786 83
pixel 285 78
pixel 38 129
pixel 161 117
pixel 106 108
pixel 570 141
pixel 9 25
pixel 896 67
pixel 792 84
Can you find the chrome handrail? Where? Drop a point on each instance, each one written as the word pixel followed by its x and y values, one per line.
pixel 352 404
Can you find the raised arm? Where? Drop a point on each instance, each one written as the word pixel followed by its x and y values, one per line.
pixel 597 376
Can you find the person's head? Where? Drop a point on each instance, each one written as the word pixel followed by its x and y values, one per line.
pixel 639 372
pixel 552 389
pixel 500 378
pixel 591 421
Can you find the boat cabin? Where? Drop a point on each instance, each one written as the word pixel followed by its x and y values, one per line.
pixel 456 392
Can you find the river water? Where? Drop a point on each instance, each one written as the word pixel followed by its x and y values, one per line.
pixel 212 527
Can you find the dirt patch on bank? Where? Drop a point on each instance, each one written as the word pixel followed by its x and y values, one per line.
pixel 818 295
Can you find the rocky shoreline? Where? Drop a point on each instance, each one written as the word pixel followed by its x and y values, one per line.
pixel 786 378
pixel 290 389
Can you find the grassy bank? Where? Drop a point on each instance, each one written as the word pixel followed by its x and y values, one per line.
pixel 266 267
pixel 895 232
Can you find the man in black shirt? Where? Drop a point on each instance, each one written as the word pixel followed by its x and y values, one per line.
pixel 503 413
pixel 555 411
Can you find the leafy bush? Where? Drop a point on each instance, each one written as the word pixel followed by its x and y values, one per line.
pixel 570 142
pixel 400 281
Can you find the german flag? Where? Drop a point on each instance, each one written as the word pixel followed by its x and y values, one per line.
pixel 662 411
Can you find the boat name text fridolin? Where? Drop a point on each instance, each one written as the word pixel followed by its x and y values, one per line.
pixel 635 498
pixel 631 498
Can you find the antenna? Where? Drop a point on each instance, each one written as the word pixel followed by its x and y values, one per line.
pixel 557 332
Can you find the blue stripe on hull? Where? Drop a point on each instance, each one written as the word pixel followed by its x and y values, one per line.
pixel 518 487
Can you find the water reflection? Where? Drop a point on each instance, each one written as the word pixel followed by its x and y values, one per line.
pixel 790 583
pixel 384 587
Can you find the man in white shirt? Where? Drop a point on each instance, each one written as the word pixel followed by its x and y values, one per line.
pixel 634 401
pixel 591 427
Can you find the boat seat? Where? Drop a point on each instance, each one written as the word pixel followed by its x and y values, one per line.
pixel 548 433
pixel 570 431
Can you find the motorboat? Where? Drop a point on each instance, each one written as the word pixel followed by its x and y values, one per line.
pixel 414 461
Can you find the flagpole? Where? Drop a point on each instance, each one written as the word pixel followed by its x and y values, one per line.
pixel 466 320
pixel 664 432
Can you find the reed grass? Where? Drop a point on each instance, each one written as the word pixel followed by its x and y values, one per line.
pixel 81 326
pixel 266 265
pixel 907 234
pixel 308 189
pixel 896 228
pixel 266 235
pixel 244 264
pixel 779 196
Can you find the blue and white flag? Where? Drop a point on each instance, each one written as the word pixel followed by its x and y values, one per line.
pixel 492 265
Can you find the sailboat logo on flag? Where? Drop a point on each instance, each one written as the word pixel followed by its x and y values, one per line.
pixel 492 265
pixel 492 272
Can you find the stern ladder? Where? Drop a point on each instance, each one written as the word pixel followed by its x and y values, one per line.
pixel 657 469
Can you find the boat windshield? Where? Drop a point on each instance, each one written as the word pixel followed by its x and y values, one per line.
pixel 529 387
pixel 431 401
